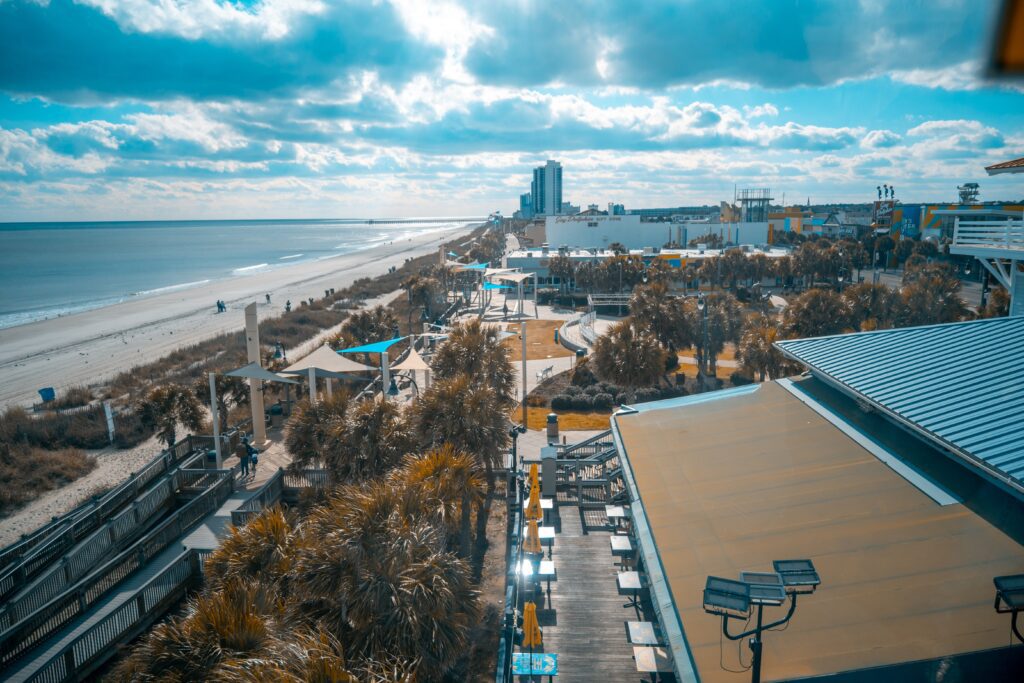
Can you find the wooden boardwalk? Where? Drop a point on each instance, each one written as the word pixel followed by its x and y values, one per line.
pixel 205 536
pixel 584 621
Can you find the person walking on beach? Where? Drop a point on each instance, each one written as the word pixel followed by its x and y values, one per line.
pixel 268 297
pixel 288 306
pixel 242 451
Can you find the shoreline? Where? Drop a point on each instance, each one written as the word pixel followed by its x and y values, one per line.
pixel 91 346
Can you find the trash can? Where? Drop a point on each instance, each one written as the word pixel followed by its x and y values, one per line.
pixel 552 426
pixel 580 355
pixel 276 416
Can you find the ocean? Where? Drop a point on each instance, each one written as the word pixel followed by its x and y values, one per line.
pixel 53 269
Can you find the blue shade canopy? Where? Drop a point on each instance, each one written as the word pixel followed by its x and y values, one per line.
pixel 475 266
pixel 453 254
pixel 491 285
pixel 376 347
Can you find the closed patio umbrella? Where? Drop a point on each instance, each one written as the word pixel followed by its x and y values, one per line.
pixel 533 509
pixel 532 542
pixel 534 477
pixel 531 630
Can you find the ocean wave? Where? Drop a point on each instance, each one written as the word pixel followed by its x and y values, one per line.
pixel 249 269
pixel 170 288
pixel 285 258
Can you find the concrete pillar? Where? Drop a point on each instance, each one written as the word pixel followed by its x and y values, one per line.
pixel 216 420
pixel 312 386
pixel 252 346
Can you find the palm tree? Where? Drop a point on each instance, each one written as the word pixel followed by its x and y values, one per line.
pixel 469 416
pixel 476 350
pixel 370 325
pixel 664 316
pixel 933 296
pixel 756 351
pixel 563 268
pixel 817 312
pixel 618 248
pixel 262 550
pixel 725 325
pixel 628 357
pixel 872 306
pixel 231 391
pixel 310 436
pixel 374 572
pixel 164 408
pixel 371 439
pixel 452 481
pixel 239 631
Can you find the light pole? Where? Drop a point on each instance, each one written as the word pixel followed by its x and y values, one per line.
pixel 732 599
pixel 701 372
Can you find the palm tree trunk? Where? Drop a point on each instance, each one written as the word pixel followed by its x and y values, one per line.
pixel 465 538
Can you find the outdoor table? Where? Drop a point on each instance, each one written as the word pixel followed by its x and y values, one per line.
pixel 546 571
pixel 652 660
pixel 641 633
pixel 546 506
pixel 621 547
pixel 615 514
pixel 629 584
pixel 539 664
pixel 546 535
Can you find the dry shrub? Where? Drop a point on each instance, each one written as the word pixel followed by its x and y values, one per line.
pixel 72 397
pixel 27 472
pixel 86 429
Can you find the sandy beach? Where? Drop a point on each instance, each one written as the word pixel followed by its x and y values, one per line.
pixel 92 346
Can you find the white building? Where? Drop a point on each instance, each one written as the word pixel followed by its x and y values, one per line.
pixel 590 231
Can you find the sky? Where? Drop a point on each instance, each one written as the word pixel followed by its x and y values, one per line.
pixel 191 109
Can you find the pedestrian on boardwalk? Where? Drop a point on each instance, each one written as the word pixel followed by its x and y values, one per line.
pixel 242 451
pixel 253 457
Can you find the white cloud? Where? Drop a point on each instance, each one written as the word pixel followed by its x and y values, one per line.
pixel 195 19
pixel 880 138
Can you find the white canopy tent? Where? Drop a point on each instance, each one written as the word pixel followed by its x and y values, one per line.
pixel 248 371
pixel 326 363
pixel 414 362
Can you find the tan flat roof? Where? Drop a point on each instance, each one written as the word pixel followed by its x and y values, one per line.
pixel 732 484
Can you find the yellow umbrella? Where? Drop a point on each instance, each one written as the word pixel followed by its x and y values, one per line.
pixel 532 542
pixel 531 628
pixel 533 509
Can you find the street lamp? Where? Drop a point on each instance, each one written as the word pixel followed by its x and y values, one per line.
pixel 732 599
pixel 701 371
pixel 1010 599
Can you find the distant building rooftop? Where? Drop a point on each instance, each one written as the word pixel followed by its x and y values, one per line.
pixel 1012 166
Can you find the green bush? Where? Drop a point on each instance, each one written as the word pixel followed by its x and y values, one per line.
pixel 561 402
pixel 603 401
pixel 739 379
pixel 582 402
pixel 592 390
pixel 573 391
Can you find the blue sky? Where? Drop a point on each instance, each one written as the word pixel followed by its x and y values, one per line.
pixel 175 109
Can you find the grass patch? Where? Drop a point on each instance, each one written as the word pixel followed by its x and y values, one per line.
pixel 568 420
pixel 27 472
pixel 85 429
pixel 73 397
pixel 540 341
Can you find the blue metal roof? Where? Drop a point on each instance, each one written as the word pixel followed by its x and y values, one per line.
pixel 959 384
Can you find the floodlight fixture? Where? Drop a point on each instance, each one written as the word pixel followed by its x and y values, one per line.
pixel 798 576
pixel 700 301
pixel 1010 599
pixel 726 597
pixel 765 588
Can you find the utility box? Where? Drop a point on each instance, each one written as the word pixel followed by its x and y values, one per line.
pixel 548 465
pixel 552 426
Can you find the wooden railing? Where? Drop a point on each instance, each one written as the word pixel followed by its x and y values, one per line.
pixel 265 497
pixel 99 643
pixel 1008 234
pixel 34 626
pixel 24 559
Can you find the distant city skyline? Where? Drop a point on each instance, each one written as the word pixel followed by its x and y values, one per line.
pixel 118 110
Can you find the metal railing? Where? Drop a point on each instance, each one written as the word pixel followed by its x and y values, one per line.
pixel 513 555
pixel 265 497
pixel 1006 234
pixel 85 653
pixel 592 446
pixel 35 624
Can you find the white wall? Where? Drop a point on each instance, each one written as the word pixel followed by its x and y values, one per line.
pixel 735 233
pixel 587 232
